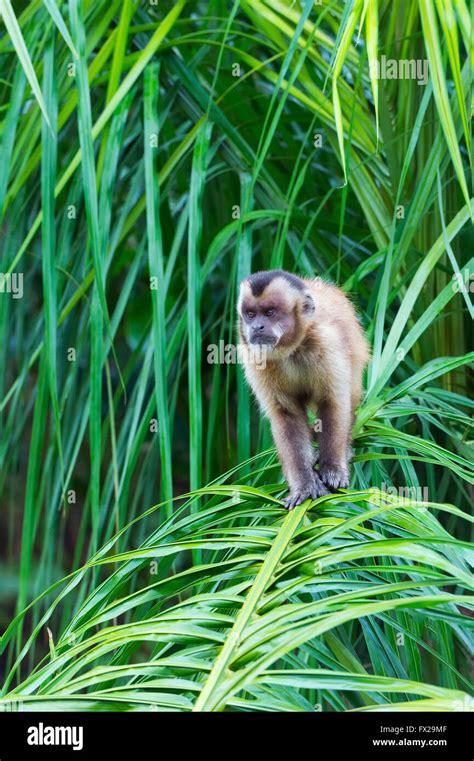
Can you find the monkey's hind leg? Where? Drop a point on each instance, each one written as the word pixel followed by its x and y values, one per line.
pixel 293 441
pixel 316 454
pixel 349 454
pixel 334 444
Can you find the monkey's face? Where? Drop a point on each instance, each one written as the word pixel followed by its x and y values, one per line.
pixel 269 311
pixel 275 309
pixel 264 322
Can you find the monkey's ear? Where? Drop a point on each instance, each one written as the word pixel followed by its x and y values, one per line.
pixel 308 303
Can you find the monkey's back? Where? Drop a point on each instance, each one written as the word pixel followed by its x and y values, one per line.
pixel 337 318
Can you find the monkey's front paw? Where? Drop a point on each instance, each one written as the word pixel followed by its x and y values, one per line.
pixel 334 476
pixel 312 490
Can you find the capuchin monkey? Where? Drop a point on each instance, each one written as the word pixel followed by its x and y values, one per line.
pixel 314 352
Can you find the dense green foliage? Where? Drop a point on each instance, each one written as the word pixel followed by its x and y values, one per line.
pixel 151 156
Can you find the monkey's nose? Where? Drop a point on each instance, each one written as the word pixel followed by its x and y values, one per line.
pixel 258 328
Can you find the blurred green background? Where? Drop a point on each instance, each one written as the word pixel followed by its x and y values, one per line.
pixel 152 155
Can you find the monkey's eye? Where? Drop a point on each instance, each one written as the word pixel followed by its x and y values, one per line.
pixel 250 314
pixel 270 312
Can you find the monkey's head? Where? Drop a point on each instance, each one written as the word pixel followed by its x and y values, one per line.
pixel 274 309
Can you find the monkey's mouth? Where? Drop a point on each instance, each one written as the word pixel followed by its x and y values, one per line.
pixel 261 340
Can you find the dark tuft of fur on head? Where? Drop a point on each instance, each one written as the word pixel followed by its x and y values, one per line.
pixel 259 281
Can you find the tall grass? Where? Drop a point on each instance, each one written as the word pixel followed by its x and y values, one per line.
pixel 151 156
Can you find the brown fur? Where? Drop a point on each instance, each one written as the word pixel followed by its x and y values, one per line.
pixel 315 353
